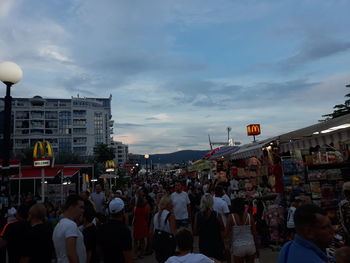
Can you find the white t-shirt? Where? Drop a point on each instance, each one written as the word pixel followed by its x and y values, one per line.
pixel 64 229
pixel 190 258
pixel 11 214
pixel 180 202
pixel 220 207
pixel 290 217
pixel 226 199
pixel 98 200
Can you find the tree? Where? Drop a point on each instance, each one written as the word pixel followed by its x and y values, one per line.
pixel 26 156
pixel 103 153
pixel 339 109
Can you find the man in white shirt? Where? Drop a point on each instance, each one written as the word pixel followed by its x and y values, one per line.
pixel 219 205
pixel 227 199
pixel 99 200
pixel 181 204
pixel 67 238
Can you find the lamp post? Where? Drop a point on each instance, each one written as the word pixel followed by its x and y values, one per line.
pixel 10 74
pixel 146 157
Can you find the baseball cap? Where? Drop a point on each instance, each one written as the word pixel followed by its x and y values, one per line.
pixel 119 192
pixel 116 205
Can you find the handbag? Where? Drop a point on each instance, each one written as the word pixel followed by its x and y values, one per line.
pixel 163 240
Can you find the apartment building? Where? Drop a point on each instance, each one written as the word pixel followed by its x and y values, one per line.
pixel 121 152
pixel 70 125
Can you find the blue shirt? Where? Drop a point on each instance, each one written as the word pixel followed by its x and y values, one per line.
pixel 301 251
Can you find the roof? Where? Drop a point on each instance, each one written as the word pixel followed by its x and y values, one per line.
pixel 252 149
pixel 29 172
pixel 220 152
pixel 311 130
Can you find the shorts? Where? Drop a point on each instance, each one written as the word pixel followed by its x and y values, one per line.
pixel 243 251
pixel 182 223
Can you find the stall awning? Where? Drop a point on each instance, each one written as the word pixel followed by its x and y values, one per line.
pixel 29 172
pixel 35 173
pixel 325 127
pixel 221 152
pixel 332 131
pixel 250 150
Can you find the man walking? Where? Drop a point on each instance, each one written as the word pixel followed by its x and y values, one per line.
pixel 181 203
pixel 114 237
pixel 314 234
pixel 99 199
pixel 38 240
pixel 219 205
pixel 67 238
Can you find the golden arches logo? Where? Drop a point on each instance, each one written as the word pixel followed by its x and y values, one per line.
pixel 43 149
pixel 253 129
pixel 110 164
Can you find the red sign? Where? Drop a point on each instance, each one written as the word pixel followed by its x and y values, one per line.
pixel 253 129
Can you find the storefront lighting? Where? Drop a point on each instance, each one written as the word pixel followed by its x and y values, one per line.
pixel 343 126
pixel 94 180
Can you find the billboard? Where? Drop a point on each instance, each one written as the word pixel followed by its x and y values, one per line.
pixel 253 129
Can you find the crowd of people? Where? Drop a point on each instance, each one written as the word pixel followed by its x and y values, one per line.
pixel 161 215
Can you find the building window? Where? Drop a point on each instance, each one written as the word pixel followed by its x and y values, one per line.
pixel 51 115
pixel 79 140
pixel 79 130
pixel 79 122
pixel 79 113
pixel 98 124
pixel 37 114
pixel 65 145
pixel 79 149
pixel 65 121
pixel 22 115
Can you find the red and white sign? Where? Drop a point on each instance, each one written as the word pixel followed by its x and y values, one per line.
pixel 42 162
pixel 253 129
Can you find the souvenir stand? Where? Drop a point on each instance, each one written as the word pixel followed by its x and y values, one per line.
pixel 252 165
pixel 199 169
pixel 220 162
pixel 320 150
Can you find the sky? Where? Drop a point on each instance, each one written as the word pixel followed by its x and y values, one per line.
pixel 180 70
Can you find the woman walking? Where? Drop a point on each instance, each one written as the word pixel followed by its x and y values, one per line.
pixel 164 226
pixel 209 226
pixel 241 230
pixel 140 223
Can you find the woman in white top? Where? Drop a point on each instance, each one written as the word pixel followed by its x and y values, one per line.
pixel 240 229
pixel 164 221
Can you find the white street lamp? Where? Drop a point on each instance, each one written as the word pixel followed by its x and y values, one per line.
pixel 10 73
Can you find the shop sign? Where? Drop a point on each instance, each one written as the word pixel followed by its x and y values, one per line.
pixel 42 162
pixel 253 129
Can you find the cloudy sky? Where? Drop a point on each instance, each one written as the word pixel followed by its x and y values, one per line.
pixel 180 70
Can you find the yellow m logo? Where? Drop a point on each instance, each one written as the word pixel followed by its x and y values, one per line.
pixel 42 150
pixel 110 164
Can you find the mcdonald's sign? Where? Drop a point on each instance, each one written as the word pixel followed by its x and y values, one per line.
pixel 253 129
pixel 110 166
pixel 42 154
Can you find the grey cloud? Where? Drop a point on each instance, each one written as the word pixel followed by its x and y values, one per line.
pixel 136 63
pixel 312 50
pixel 225 96
pixel 151 119
pixel 127 125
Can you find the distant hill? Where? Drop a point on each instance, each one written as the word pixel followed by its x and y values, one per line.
pixel 178 157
